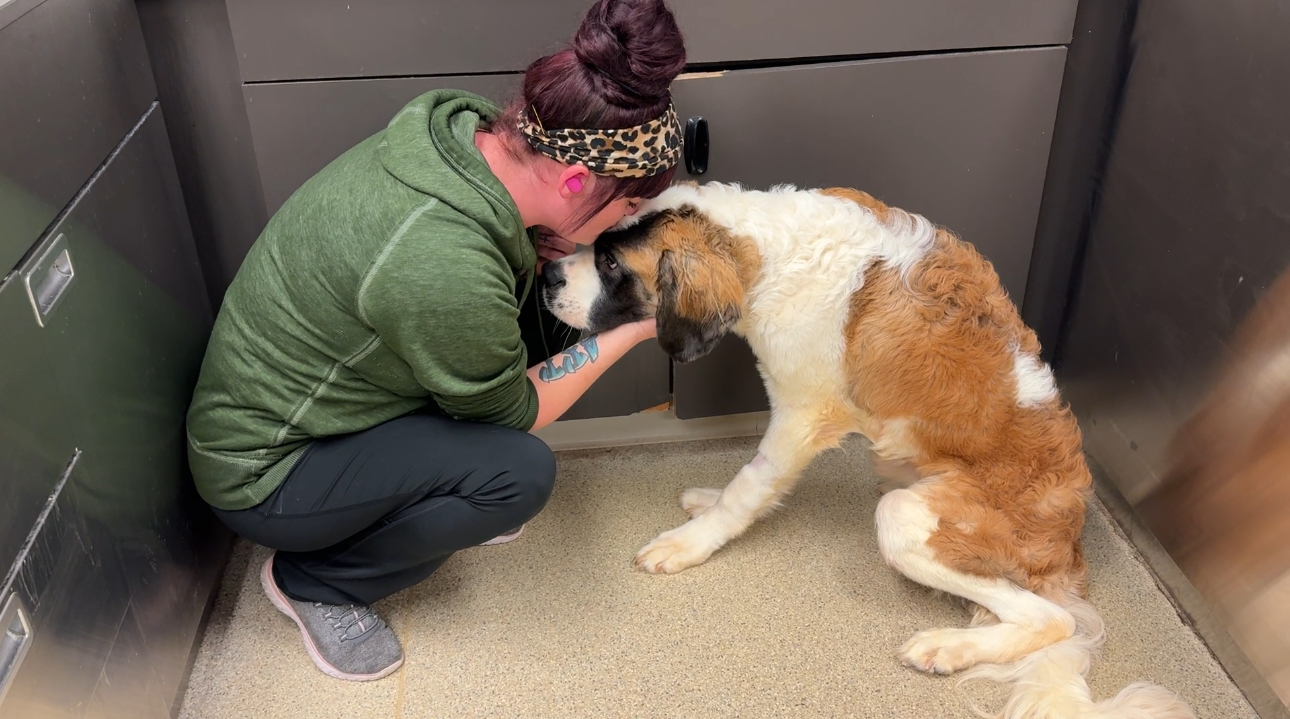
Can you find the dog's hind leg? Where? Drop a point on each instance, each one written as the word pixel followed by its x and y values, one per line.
pixel 792 440
pixel 1026 621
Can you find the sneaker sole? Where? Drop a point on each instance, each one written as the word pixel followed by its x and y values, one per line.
pixel 503 539
pixel 280 602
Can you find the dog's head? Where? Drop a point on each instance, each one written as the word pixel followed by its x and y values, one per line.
pixel 674 265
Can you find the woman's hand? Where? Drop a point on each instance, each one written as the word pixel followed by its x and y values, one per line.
pixel 551 246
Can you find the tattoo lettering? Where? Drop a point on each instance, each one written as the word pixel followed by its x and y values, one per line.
pixel 570 361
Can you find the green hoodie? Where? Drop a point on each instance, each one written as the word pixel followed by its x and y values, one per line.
pixel 390 282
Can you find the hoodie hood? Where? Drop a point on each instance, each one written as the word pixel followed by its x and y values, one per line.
pixel 430 146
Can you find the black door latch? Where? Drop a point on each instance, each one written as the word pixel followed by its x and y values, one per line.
pixel 696 146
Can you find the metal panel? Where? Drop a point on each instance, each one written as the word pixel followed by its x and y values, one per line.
pixel 129 685
pixel 1190 232
pixel 718 31
pixel 139 214
pixel 35 437
pixel 127 346
pixel 962 139
pixel 328 39
pixel 76 610
pixel 1191 228
pixel 84 81
pixel 122 347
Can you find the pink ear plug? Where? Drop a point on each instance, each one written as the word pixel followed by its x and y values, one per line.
pixel 574 184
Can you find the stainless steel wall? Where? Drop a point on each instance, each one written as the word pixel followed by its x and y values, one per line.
pixel 107 556
pixel 1176 353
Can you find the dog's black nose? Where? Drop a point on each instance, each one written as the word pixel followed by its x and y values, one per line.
pixel 553 275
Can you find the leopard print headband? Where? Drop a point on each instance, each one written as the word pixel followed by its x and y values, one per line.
pixel 640 151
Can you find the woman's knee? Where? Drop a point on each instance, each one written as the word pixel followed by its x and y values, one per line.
pixel 530 466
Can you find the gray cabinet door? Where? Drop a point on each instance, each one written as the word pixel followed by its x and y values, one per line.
pixel 121 573
pixel 961 138
pixel 329 39
pixel 299 127
pixel 641 380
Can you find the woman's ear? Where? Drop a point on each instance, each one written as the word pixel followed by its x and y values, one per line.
pixel 698 303
pixel 573 181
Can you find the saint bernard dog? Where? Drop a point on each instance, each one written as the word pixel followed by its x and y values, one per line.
pixel 868 319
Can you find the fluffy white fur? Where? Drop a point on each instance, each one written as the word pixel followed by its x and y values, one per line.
pixel 1035 383
pixel 574 306
pixel 1050 684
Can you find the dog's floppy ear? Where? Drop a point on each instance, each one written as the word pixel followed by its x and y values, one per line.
pixel 698 303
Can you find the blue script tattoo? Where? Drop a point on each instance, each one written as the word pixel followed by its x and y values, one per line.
pixel 570 361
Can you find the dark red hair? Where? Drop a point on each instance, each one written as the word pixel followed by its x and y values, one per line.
pixel 615 73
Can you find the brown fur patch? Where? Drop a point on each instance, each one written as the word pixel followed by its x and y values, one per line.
pixel 642 261
pixel 712 267
pixel 1009 484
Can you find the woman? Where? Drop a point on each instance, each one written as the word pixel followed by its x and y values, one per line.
pixel 365 399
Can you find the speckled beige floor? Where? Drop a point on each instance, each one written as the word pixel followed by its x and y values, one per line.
pixel 799 618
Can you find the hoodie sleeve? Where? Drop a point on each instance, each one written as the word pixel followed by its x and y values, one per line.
pixel 447 307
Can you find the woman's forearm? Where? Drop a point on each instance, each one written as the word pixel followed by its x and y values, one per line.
pixel 562 379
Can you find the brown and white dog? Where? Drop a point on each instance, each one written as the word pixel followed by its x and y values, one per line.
pixel 866 318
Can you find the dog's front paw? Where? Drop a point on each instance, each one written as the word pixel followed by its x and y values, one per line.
pixel 941 651
pixel 672 551
pixel 698 500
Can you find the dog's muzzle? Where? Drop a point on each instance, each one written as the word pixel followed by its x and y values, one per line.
pixel 553 276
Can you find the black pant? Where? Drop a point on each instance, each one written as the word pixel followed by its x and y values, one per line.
pixel 365 515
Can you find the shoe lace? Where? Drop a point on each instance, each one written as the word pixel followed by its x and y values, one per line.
pixel 350 621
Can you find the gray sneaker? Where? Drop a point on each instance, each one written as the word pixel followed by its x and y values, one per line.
pixel 344 640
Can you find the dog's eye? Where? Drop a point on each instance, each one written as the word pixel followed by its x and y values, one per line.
pixel 608 262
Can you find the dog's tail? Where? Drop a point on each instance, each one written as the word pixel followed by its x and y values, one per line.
pixel 1050 684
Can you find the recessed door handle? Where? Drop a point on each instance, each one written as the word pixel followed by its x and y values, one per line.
pixel 49 277
pixel 15 640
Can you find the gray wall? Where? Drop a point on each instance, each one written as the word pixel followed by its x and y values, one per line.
pixel 1096 62
pixel 1190 229
pixel 1192 223
pixel 191 48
